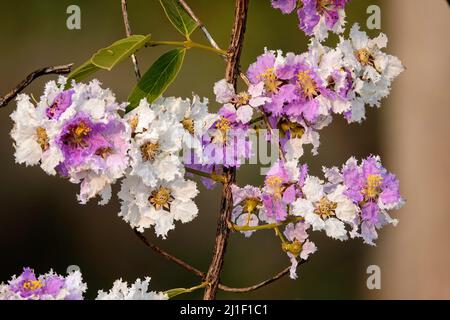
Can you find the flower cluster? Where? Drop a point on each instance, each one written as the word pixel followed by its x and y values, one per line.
pixel 353 201
pixel 304 91
pixel 49 286
pixel 316 17
pixel 76 133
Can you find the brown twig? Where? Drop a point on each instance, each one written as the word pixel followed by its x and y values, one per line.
pixel 200 24
pixel 223 231
pixel 168 256
pixel 64 69
pixel 126 22
pixel 255 287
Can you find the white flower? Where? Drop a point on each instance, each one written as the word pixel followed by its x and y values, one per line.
pixel 323 211
pixel 137 291
pixel 159 206
pixel 242 104
pixel 155 152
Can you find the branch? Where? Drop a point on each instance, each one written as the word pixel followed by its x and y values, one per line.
pixel 255 287
pixel 223 231
pixel 200 24
pixel 126 21
pixel 168 256
pixel 64 69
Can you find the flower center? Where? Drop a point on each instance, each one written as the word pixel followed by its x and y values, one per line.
pixel 293 128
pixel 223 125
pixel 104 152
pixel 271 81
pixel 78 134
pixel 188 124
pixel 32 285
pixel 307 84
pixel 150 150
pixel 325 208
pixel 365 57
pixel 373 187
pixel 276 184
pixel 323 5
pixel 42 138
pixel 242 99
pixel 294 247
pixel 250 204
pixel 161 198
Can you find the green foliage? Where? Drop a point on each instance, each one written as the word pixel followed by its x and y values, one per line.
pixel 180 19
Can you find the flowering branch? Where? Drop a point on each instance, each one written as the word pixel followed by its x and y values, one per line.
pixel 126 21
pixel 223 231
pixel 64 69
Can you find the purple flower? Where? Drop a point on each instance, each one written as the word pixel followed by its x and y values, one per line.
pixel 286 6
pixel 60 104
pixel 26 285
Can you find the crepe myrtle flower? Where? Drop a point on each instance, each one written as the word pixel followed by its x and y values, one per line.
pixel 77 133
pixel 375 191
pixel 297 245
pixel 136 291
pixel 317 17
pixel 325 211
pixel 241 106
pixel 373 70
pixel 159 206
pixel 156 145
pixel 192 114
pixel 49 286
pixel 247 203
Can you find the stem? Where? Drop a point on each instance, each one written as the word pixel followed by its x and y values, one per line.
pixel 126 22
pixel 65 69
pixel 223 231
pixel 265 226
pixel 213 176
pixel 187 44
pixel 176 292
pixel 200 24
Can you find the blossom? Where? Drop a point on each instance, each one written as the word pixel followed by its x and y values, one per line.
pixel 156 145
pixel 77 133
pixel 159 206
pixel 239 107
pixel 298 245
pixel 325 211
pixel 49 286
pixel 286 6
pixel 375 190
pixel 136 291
pixel 247 202
pixel 373 69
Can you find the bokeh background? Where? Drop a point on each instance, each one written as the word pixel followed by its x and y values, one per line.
pixel 42 226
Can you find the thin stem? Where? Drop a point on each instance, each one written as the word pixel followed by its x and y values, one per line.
pixel 200 24
pixel 213 176
pixel 223 231
pixel 178 291
pixel 265 226
pixel 126 22
pixel 168 256
pixel 64 69
pixel 188 45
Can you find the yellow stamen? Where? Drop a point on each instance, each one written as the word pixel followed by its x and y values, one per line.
pixel 149 151
pixel 42 138
pixel 242 99
pixel 307 84
pixel 32 285
pixel 373 187
pixel 250 204
pixel 188 124
pixel 133 122
pixel 325 208
pixel 276 184
pixel 294 247
pixel 161 198
pixel 271 81
pixel 79 132
pixel 365 57
pixel 104 152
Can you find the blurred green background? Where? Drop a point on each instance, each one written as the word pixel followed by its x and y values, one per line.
pixel 41 224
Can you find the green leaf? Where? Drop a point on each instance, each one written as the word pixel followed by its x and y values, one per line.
pixel 119 51
pixel 82 72
pixel 158 78
pixel 181 20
